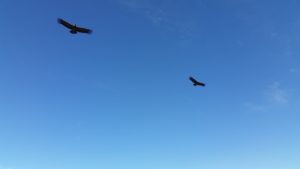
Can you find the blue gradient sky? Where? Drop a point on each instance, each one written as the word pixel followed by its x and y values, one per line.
pixel 121 99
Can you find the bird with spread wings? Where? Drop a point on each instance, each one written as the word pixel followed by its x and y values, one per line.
pixel 73 28
pixel 196 83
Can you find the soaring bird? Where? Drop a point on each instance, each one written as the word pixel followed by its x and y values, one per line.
pixel 196 83
pixel 73 28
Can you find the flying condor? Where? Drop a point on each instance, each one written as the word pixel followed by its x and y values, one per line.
pixel 73 28
pixel 196 83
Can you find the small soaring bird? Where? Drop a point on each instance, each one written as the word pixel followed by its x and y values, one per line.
pixel 73 28
pixel 196 83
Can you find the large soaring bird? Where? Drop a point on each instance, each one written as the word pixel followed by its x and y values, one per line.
pixel 196 83
pixel 73 28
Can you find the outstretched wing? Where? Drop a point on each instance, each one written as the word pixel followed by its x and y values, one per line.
pixel 200 84
pixel 65 23
pixel 193 80
pixel 196 82
pixel 83 30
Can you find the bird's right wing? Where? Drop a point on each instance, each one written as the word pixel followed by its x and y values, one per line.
pixel 65 23
pixel 83 30
pixel 201 84
pixel 193 80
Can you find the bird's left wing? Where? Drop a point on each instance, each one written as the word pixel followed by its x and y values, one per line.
pixel 83 30
pixel 65 23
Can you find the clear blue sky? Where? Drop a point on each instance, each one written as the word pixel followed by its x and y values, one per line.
pixel 120 98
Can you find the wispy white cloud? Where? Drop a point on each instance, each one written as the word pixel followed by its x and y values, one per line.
pixel 130 3
pixel 3 167
pixel 255 107
pixel 273 96
pixel 295 71
pixel 159 16
pixel 149 10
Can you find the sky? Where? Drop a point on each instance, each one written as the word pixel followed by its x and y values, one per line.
pixel 120 98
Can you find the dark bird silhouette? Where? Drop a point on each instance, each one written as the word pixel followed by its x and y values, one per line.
pixel 196 83
pixel 73 28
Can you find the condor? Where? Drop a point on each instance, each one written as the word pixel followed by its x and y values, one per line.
pixel 196 83
pixel 73 28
